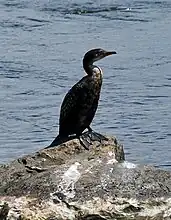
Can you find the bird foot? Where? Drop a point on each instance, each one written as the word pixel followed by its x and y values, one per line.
pixel 88 137
pixel 85 140
pixel 94 136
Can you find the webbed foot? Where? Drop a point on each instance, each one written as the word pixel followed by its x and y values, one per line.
pixel 85 140
pixel 94 136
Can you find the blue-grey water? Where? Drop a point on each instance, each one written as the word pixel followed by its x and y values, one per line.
pixel 41 48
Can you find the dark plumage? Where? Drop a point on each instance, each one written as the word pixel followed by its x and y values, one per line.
pixel 80 103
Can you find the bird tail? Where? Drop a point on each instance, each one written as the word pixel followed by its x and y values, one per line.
pixel 59 140
pixel 55 142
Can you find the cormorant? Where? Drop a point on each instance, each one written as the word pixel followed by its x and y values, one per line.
pixel 81 101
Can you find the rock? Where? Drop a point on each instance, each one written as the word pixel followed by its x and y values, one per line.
pixel 69 182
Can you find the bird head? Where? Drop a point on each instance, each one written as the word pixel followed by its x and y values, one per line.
pixel 96 54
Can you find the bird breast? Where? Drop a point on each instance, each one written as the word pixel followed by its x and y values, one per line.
pixel 97 77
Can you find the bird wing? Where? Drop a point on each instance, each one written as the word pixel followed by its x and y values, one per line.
pixel 71 102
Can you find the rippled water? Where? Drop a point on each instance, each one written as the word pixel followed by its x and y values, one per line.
pixel 41 48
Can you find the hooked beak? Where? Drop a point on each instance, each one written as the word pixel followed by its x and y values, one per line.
pixel 108 53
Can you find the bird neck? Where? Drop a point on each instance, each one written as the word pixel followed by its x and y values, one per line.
pixel 88 67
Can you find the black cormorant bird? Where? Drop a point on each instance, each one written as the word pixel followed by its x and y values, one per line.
pixel 81 101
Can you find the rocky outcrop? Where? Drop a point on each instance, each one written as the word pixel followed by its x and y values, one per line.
pixel 69 182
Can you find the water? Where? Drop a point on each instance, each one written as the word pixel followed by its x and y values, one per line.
pixel 41 48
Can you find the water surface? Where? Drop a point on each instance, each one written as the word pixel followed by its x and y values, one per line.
pixel 41 48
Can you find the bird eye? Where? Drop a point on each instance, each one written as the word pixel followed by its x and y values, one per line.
pixel 100 52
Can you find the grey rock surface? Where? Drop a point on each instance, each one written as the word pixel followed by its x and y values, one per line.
pixel 69 182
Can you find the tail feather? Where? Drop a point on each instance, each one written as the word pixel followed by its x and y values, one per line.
pixel 59 140
pixel 55 142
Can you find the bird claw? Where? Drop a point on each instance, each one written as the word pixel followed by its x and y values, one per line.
pixel 84 141
pixel 88 137
pixel 94 136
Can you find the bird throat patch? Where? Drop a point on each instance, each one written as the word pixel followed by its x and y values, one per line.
pixel 97 70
